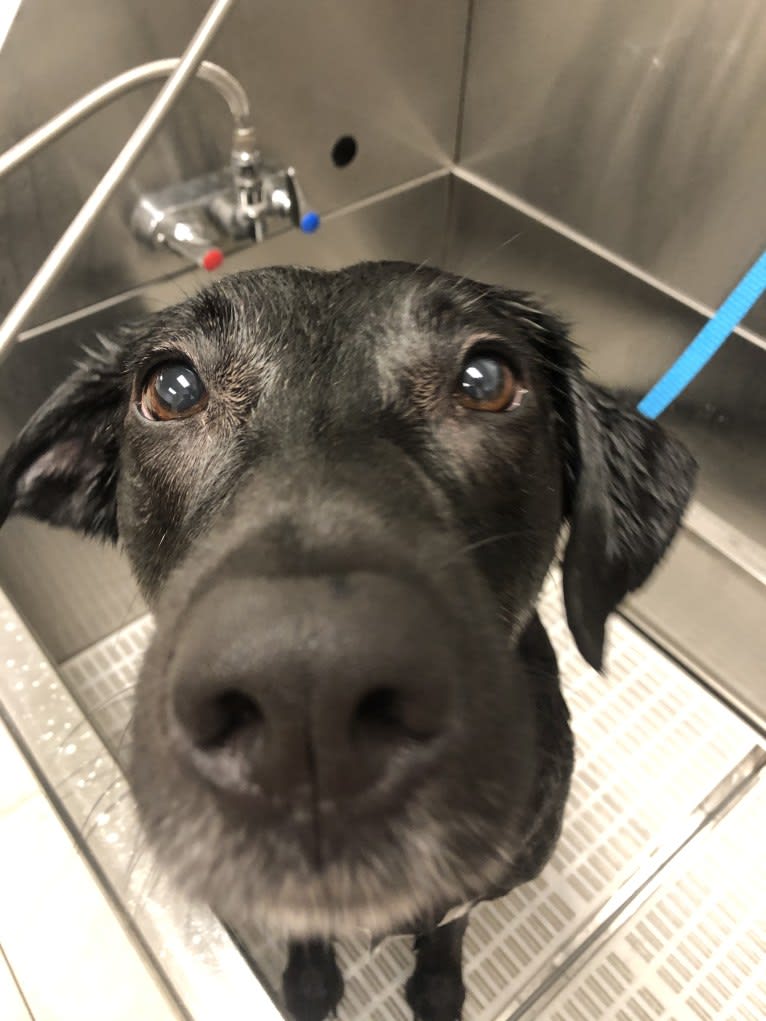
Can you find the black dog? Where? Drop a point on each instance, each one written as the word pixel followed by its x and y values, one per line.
pixel 341 493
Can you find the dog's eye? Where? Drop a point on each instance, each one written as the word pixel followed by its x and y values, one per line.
pixel 173 390
pixel 487 383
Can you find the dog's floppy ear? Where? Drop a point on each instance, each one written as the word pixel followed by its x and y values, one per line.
pixel 629 485
pixel 63 466
pixel 626 482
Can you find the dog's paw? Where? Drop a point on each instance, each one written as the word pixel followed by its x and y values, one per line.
pixel 436 995
pixel 312 983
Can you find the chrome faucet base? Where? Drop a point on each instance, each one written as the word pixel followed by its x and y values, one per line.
pixel 232 204
pixel 176 217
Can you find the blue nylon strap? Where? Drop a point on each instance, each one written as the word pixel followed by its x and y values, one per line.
pixel 707 342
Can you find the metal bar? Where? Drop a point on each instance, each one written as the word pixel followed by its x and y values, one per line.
pixel 637 890
pixel 748 554
pixel 226 84
pixel 62 252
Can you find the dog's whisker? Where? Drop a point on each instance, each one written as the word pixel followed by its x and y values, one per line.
pixel 98 803
pixel 471 547
pixel 121 740
pixel 105 813
pixel 87 721
pixel 140 847
pixel 148 886
pixel 131 609
pixel 79 769
pixel 474 268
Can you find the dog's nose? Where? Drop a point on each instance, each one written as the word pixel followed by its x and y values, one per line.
pixel 312 688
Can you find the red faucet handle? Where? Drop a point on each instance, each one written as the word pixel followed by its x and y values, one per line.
pixel 212 259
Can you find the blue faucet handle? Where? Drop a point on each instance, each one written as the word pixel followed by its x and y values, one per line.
pixel 306 219
pixel 309 221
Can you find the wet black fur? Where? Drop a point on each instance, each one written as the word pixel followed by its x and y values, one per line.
pixel 334 390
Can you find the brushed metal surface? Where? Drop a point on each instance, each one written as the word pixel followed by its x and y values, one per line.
pixel 642 125
pixel 73 591
pixel 723 537
pixel 709 614
pixel 594 247
pixel 313 72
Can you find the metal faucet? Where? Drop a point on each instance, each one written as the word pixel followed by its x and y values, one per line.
pixel 60 255
pixel 260 191
pixel 237 201
pixel 178 72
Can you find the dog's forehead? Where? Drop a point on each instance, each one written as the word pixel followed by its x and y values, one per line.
pixel 376 302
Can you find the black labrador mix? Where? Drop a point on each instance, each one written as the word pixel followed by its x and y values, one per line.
pixel 340 494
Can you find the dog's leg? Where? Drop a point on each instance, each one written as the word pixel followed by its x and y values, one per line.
pixel 312 983
pixel 435 989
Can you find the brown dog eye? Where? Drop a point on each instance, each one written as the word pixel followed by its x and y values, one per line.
pixel 173 390
pixel 487 383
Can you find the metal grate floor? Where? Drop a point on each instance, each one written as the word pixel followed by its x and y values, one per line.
pixel 651 745
pixel 696 947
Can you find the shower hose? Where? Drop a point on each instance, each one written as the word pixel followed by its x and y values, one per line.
pixel 695 357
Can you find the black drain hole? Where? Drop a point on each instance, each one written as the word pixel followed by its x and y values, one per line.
pixel 344 151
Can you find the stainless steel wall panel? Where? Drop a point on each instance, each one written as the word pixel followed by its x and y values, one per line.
pixel 709 614
pixel 640 124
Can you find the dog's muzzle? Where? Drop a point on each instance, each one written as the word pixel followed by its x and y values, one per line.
pixel 306 691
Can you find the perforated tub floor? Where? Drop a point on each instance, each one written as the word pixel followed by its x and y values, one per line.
pixel 696 948
pixel 651 746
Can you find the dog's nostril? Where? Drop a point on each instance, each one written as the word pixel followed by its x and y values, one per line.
pixel 378 709
pixel 386 714
pixel 225 716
